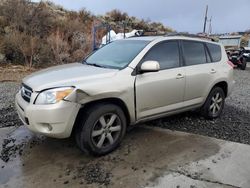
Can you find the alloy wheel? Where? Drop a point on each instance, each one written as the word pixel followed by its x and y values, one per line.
pixel 106 130
pixel 216 103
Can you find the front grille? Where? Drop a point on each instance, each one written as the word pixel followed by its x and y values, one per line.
pixel 26 92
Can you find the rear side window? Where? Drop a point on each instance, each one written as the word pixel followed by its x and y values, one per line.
pixel 215 52
pixel 166 53
pixel 194 53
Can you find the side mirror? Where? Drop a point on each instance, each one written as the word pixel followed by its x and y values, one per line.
pixel 150 66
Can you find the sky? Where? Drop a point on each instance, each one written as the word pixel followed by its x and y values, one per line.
pixel 181 15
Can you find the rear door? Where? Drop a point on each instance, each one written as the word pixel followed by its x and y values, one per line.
pixel 163 91
pixel 200 71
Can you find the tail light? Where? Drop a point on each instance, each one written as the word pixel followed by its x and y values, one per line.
pixel 231 64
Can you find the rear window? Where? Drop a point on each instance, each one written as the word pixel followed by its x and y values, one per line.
pixel 215 52
pixel 194 53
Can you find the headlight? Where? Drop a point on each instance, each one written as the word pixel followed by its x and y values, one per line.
pixel 53 96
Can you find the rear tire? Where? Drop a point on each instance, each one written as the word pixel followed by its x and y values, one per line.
pixel 214 104
pixel 101 130
pixel 244 64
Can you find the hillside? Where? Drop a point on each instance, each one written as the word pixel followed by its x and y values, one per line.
pixel 42 34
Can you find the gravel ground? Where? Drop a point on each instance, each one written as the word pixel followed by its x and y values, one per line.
pixel 233 125
pixel 8 115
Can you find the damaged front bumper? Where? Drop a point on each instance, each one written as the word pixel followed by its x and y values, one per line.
pixel 55 120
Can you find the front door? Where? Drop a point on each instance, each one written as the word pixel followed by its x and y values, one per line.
pixel 163 91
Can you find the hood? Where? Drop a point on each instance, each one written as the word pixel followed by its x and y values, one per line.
pixel 66 75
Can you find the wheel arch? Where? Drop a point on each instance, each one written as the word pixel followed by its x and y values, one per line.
pixel 223 85
pixel 115 101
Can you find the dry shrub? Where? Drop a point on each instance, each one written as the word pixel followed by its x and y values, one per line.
pixel 44 34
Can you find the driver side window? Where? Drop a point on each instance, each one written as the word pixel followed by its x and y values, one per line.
pixel 166 53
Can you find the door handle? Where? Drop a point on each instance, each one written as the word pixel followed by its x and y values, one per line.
pixel 179 76
pixel 213 71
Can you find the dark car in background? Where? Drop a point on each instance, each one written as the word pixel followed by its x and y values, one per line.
pixel 238 57
pixel 247 53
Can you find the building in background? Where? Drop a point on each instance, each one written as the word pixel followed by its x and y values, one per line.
pixel 231 41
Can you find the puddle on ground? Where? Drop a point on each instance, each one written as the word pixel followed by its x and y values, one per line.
pixel 143 156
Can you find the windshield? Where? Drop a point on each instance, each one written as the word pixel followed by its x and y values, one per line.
pixel 117 54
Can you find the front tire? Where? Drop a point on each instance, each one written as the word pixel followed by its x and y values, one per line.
pixel 214 104
pixel 102 129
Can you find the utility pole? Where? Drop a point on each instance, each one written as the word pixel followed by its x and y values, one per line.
pixel 205 21
pixel 210 26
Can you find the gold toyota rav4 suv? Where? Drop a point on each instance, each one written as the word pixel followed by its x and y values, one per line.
pixel 123 83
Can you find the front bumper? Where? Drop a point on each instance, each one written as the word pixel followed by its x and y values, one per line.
pixel 56 120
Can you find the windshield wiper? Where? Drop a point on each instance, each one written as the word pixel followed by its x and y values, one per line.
pixel 93 64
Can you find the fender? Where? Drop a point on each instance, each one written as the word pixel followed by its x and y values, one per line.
pixel 82 97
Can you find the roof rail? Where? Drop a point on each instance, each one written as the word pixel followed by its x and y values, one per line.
pixel 201 36
pixel 152 33
pixel 155 33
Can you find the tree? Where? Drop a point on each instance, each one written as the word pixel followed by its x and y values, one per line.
pixel 59 47
pixel 117 16
pixel 26 44
pixel 15 13
pixel 40 21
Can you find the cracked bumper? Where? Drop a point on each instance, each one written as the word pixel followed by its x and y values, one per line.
pixel 56 120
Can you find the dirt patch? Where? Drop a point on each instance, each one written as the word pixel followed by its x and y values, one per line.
pixel 140 159
pixel 8 148
pixel 12 148
pixel 14 73
pixel 9 117
pixel 93 173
